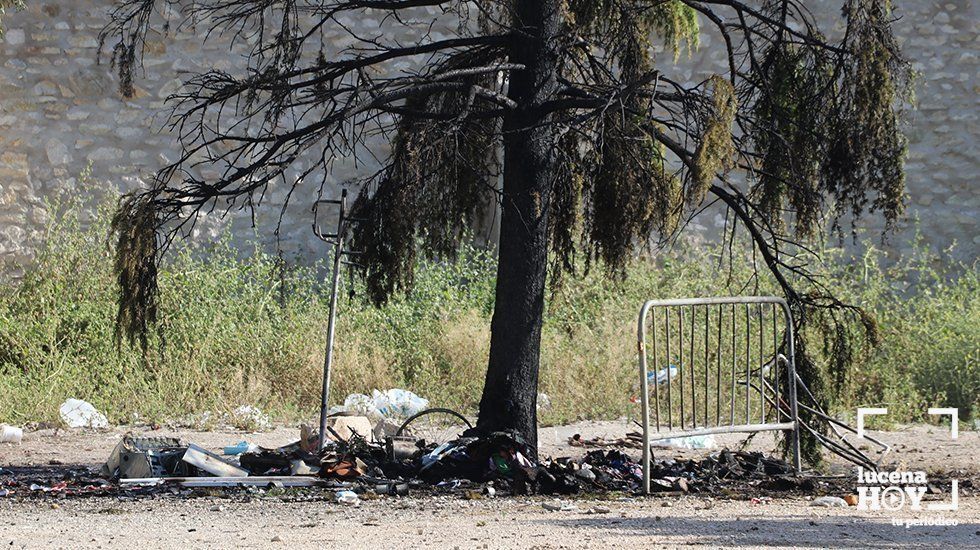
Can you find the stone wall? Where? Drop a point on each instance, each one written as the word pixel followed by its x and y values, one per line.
pixel 61 116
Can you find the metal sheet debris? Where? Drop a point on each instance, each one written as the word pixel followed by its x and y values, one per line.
pixel 235 481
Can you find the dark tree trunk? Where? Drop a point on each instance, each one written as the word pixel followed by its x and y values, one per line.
pixel 510 394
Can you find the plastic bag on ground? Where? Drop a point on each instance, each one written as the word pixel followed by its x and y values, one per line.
pixel 395 403
pixel 358 403
pixel 829 502
pixel 692 442
pixel 248 417
pixel 398 402
pixel 76 413
pixel 349 498
pixel 10 434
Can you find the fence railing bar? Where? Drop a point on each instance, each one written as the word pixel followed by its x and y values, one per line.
pixel 670 400
pixel 748 364
pixel 641 340
pixel 791 386
pixel 680 358
pixel 707 367
pixel 656 386
pixel 718 361
pixel 775 358
pixel 731 399
pixel 694 397
pixel 737 428
pixel 762 370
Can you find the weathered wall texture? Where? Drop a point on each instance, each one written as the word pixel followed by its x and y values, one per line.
pixel 60 115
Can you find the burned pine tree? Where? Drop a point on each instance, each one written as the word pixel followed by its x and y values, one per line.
pixel 599 145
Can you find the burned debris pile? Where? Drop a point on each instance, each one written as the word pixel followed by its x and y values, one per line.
pixel 352 463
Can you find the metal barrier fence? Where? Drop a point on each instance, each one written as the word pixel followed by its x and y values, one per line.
pixel 716 367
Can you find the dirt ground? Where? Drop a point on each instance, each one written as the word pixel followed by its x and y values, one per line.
pixel 262 520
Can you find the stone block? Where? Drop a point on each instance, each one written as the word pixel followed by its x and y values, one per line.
pixel 57 152
pixel 15 37
pixel 105 154
pixel 83 41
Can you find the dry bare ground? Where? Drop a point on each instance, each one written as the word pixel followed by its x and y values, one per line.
pixel 262 521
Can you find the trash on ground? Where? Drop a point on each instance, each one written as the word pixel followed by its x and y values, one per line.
pixel 400 448
pixel 386 428
pixel 240 447
pixel 662 375
pixel 399 403
pixel 342 428
pixel 362 466
pixel 298 467
pixel 692 442
pixel 211 463
pixel 349 498
pixel 394 403
pixel 829 502
pixel 253 481
pixel 358 403
pixel 578 441
pixel 10 434
pixel 135 457
pixel 634 440
pixel 248 417
pixel 76 413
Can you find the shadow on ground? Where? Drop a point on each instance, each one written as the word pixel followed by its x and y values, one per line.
pixel 797 531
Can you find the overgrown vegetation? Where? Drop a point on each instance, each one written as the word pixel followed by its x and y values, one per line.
pixel 236 330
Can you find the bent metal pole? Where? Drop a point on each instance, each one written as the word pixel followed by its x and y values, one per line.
pixel 331 322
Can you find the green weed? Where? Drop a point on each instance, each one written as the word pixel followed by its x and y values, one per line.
pixel 241 329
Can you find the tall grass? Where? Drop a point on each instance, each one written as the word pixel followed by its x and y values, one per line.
pixel 243 329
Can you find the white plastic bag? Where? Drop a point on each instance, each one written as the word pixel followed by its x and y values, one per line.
pixel 398 403
pixel 394 403
pixel 358 403
pixel 10 434
pixel 249 417
pixel 692 442
pixel 349 498
pixel 76 413
pixel 829 502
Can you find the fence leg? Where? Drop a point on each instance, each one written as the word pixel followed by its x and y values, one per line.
pixel 793 402
pixel 644 396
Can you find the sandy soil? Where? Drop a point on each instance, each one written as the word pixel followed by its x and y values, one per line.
pixel 258 520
